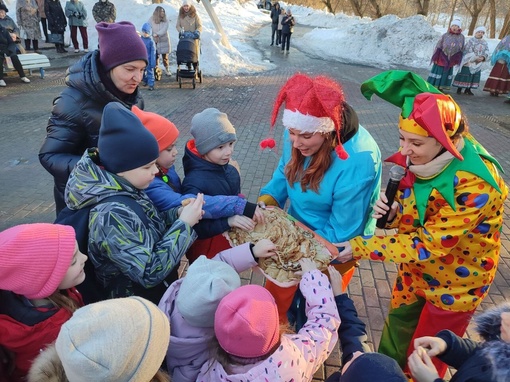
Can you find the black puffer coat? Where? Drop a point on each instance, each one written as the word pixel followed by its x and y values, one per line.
pixel 76 117
pixel 7 46
pixel 57 21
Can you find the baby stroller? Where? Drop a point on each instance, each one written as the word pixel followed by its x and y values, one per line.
pixel 188 65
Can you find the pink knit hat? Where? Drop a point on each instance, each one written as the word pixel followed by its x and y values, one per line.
pixel 34 258
pixel 246 322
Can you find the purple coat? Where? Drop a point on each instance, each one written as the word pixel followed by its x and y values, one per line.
pixel 188 349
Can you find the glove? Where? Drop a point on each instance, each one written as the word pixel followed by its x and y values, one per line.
pixel 76 14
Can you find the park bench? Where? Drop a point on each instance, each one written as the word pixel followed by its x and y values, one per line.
pixel 30 61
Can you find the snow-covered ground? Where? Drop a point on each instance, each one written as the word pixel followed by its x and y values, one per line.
pixel 385 42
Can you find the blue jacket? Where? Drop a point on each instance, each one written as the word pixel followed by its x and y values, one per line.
pixel 151 52
pixel 343 207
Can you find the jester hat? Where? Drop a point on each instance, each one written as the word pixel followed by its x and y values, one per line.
pixel 425 110
pixel 312 105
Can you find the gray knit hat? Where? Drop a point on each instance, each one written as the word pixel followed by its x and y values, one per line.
pixel 203 287
pixel 211 128
pixel 123 339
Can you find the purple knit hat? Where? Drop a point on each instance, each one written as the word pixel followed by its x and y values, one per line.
pixel 34 258
pixel 119 43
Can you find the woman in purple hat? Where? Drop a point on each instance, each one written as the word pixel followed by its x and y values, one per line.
pixel 110 75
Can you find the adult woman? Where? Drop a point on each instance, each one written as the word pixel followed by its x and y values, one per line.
pixel 188 20
pixel 288 23
pixel 447 54
pixel 159 24
pixel 57 21
pixel 42 13
pixel 77 14
pixel 499 78
pixel 330 168
pixel 448 214
pixel 475 53
pixel 97 79
pixel 8 48
pixel 8 23
pixel 27 15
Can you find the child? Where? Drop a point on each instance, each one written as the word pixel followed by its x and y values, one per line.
pixel 207 169
pixel 148 75
pixel 359 363
pixel 190 304
pixel 129 257
pixel 165 191
pixel 118 340
pixel 40 265
pixel 250 345
pixel 485 362
pixel 447 54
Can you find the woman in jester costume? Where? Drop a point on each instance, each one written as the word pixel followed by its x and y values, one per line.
pixel 448 213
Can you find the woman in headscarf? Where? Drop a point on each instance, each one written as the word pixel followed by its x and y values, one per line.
pixel 27 15
pixel 499 78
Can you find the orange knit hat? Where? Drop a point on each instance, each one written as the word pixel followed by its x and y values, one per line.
pixel 165 131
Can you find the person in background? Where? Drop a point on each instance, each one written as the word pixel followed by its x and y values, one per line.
pixel 8 48
pixel 27 15
pixel 148 75
pixel 249 343
pixel 40 265
pixel 475 53
pixel 77 14
pixel 359 364
pixel 448 213
pixel 210 169
pixel 188 19
pixel 487 361
pixel 112 75
pixel 159 24
pixel 447 54
pixel 329 171
pixel 2 2
pixel 119 340
pixel 190 304
pixel 57 21
pixel 130 256
pixel 499 77
pixel 288 23
pixel 104 11
pixel 8 23
pixel 279 30
pixel 42 14
pixel 275 12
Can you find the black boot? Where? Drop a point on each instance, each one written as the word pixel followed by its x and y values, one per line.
pixel 468 91
pixel 459 90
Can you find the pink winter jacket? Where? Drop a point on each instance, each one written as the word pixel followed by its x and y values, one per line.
pixel 299 355
pixel 188 344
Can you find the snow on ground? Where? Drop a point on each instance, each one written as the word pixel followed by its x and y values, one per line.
pixel 386 42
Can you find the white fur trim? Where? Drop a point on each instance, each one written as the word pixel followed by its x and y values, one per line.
pixel 307 123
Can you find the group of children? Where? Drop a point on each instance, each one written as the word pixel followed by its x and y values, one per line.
pixel 209 326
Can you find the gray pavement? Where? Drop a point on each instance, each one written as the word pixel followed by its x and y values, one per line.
pixel 26 188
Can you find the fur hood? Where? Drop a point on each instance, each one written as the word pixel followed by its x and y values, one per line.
pixel 47 367
pixel 488 326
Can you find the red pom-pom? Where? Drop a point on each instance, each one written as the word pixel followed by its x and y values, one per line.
pixel 342 154
pixel 268 143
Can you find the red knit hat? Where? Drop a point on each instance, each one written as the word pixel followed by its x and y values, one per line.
pixel 163 130
pixel 34 258
pixel 246 322
pixel 312 105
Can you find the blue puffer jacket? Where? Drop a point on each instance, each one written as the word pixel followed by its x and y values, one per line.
pixel 75 118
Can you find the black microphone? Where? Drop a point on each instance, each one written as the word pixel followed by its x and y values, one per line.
pixel 396 175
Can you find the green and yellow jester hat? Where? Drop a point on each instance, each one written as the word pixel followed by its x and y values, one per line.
pixel 425 110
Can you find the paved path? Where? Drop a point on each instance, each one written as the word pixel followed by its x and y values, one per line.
pixel 26 188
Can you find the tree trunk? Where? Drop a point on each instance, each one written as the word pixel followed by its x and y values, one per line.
pixel 454 5
pixel 506 26
pixel 422 7
pixel 474 8
pixel 356 6
pixel 377 9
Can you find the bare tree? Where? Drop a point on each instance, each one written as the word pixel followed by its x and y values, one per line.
pixel 506 26
pixel 454 6
pixel 474 8
pixel 358 8
pixel 377 9
pixel 331 5
pixel 422 7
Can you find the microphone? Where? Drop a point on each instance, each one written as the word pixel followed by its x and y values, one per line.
pixel 396 175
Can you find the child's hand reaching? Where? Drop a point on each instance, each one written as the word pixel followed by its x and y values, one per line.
pixel 258 216
pixel 264 248
pixel 432 345
pixel 421 366
pixel 336 280
pixel 193 212
pixel 241 222
pixel 307 265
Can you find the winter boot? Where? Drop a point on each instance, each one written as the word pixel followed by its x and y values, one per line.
pixel 468 91
pixel 459 90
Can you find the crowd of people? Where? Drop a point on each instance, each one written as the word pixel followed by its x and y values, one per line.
pixel 66 307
